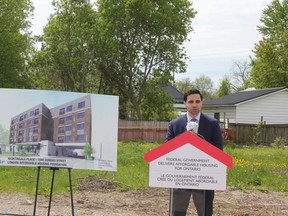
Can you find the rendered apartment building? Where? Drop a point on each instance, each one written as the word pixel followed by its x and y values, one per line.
pixel 67 125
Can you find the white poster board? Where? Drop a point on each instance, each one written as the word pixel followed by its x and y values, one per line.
pixel 187 167
pixel 58 129
pixel 188 162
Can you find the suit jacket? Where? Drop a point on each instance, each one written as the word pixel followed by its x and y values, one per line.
pixel 208 128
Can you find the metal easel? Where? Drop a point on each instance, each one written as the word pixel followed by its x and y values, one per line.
pixel 51 189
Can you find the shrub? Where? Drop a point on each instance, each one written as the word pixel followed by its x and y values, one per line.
pixel 279 142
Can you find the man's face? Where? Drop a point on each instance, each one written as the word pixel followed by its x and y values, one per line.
pixel 193 104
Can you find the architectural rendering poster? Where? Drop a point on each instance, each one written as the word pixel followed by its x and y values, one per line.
pixel 58 129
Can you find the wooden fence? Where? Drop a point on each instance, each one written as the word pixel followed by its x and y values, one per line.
pixel 142 130
pixel 239 133
pixel 151 131
pixel 245 133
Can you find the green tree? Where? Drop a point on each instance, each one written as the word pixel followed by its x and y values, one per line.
pixel 240 75
pixel 225 87
pixel 157 104
pixel 66 60
pixel 15 42
pixel 4 135
pixel 137 38
pixel 88 150
pixel 27 148
pixel 184 85
pixel 18 147
pixel 205 85
pixel 270 68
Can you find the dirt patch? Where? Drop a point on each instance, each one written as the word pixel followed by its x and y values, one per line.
pixel 99 197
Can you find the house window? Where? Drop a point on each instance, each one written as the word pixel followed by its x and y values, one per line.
pixel 69 108
pixel 81 105
pixel 62 111
pixel 81 115
pixel 217 116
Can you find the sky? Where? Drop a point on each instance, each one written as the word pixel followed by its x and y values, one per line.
pixel 224 31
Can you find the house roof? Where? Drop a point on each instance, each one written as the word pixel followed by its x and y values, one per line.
pixel 187 138
pixel 241 96
pixel 174 93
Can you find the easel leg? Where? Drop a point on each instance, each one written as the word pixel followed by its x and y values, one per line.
pixel 171 202
pixel 71 191
pixel 36 191
pixel 51 188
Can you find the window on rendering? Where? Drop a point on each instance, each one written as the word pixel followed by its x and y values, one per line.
pixel 36 121
pixel 61 139
pixel 36 112
pixel 81 105
pixel 62 111
pixel 80 115
pixel 68 128
pixel 61 130
pixel 32 113
pixel 68 138
pixel 35 130
pixel 68 118
pixel 35 138
pixel 69 108
pixel 80 126
pixel 80 137
pixel 61 120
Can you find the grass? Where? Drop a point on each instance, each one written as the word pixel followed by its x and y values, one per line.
pixel 259 168
pixel 255 168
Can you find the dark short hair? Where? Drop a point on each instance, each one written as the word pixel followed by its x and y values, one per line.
pixel 192 91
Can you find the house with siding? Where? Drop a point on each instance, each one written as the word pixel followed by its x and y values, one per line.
pixel 250 106
pixel 241 112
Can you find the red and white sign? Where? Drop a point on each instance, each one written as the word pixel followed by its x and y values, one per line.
pixel 188 161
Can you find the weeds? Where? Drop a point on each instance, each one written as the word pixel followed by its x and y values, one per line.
pixel 254 168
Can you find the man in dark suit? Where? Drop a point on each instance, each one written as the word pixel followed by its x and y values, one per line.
pixel 209 130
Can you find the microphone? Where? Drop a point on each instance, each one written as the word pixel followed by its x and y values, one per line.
pixel 193 127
